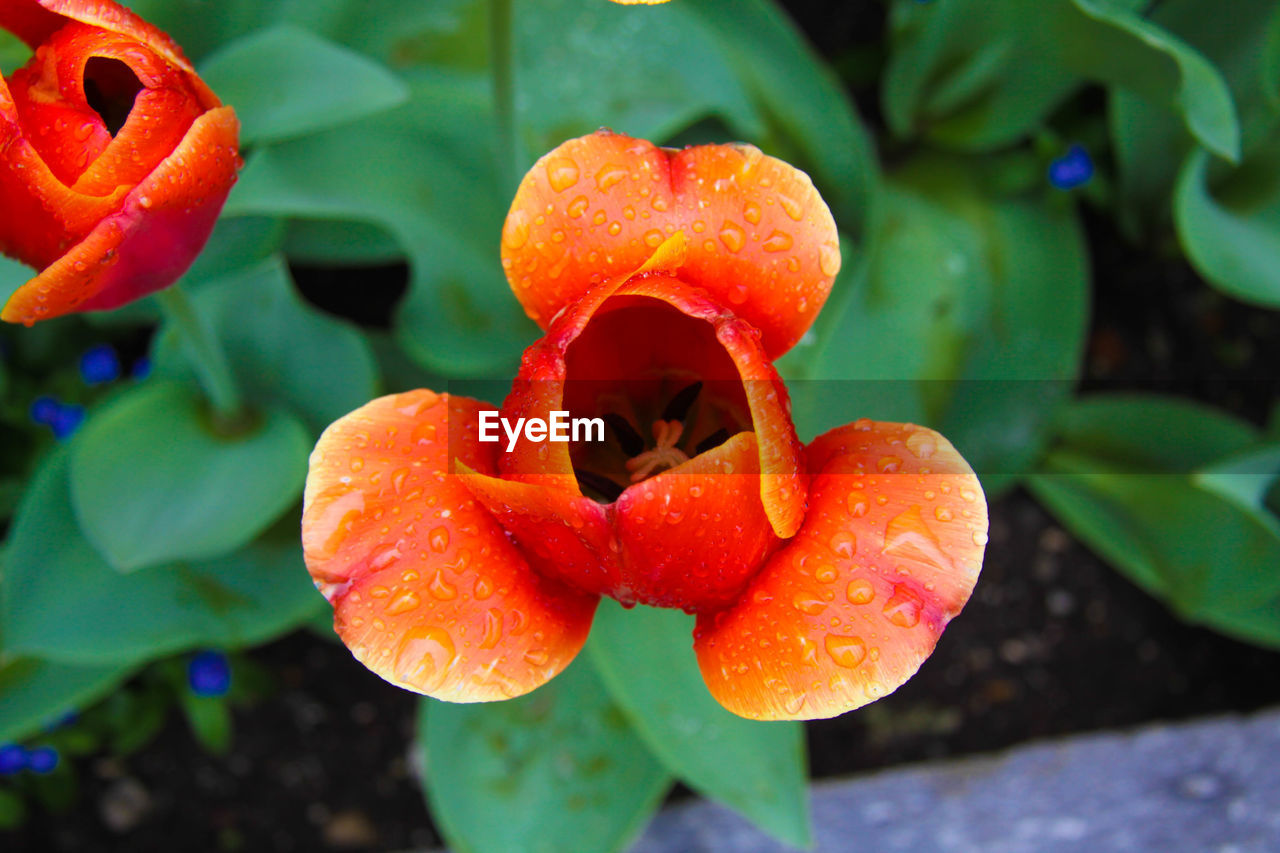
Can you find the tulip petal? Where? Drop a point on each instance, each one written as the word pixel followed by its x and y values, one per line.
pixel 563 535
pixel 848 610
pixel 761 239
pixel 693 537
pixel 428 592
pixel 150 239
pixel 34 21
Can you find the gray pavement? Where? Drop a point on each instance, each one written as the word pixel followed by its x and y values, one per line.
pixel 1211 785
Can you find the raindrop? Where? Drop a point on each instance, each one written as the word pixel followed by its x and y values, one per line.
pixel 562 173
pixel 845 651
pixel 733 237
pixel 424 656
pixel 857 503
pixel 922 444
pixel 778 241
pixel 843 543
pixel 829 259
pixel 609 176
pixel 752 213
pixel 578 206
pixel 492 628
pixel 808 604
pixel 438 538
pixel 903 607
pixel 860 591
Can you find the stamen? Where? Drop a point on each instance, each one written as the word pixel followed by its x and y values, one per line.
pixel 716 439
pixel 678 408
pixel 628 439
pixel 666 455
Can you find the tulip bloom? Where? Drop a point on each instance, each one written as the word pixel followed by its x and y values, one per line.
pixel 667 283
pixel 115 158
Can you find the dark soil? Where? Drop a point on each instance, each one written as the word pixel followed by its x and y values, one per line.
pixel 1053 642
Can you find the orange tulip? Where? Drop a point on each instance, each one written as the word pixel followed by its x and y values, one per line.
pixel 666 283
pixel 115 158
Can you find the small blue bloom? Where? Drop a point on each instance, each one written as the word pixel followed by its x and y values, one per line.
pixel 1072 169
pixel 141 369
pixel 67 421
pixel 99 364
pixel 209 674
pixel 42 759
pixel 45 409
pixel 13 759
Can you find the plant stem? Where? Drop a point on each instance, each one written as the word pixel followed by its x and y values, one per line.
pixel 205 352
pixel 502 59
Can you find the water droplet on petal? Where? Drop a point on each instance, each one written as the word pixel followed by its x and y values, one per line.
pixel 492 628
pixel 922 443
pixel 423 657
pixel 537 657
pixel 483 588
pixel 826 573
pixel 609 176
pixel 829 259
pixel 845 651
pixel 577 207
pixel 515 233
pixel 403 604
pixel 438 538
pixel 751 212
pixel 791 206
pixel 903 607
pixel 943 513
pixel 778 241
pixel 843 543
pixel 860 591
pixel 733 237
pixel 441 588
pixel 562 173
pixel 858 504
pixel 808 604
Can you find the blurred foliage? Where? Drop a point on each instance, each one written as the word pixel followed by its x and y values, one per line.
pixel 371 138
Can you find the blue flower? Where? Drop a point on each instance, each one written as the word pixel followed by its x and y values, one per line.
pixel 209 674
pixel 1072 169
pixel 45 409
pixel 99 364
pixel 13 759
pixel 42 759
pixel 67 421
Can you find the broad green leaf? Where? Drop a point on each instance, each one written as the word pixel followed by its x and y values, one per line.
pixel 559 769
pixel 970 318
pixel 286 82
pixel 1149 141
pixel 436 194
pixel 1246 480
pixel 281 350
pixel 61 601
pixel 201 26
pixel 645 658
pixel 35 692
pixel 153 482
pixel 314 241
pixel 1123 478
pixel 980 74
pixel 1231 231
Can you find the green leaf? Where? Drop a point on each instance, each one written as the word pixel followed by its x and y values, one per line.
pixel 61 601
pixel 970 318
pixel 645 658
pixel 559 769
pixel 1231 233
pixel 210 720
pixel 280 349
pixel 1150 143
pixel 436 195
pixel 35 692
pixel 285 82
pixel 153 482
pixel 980 74
pixel 13 53
pixel 1246 480
pixel 1124 479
